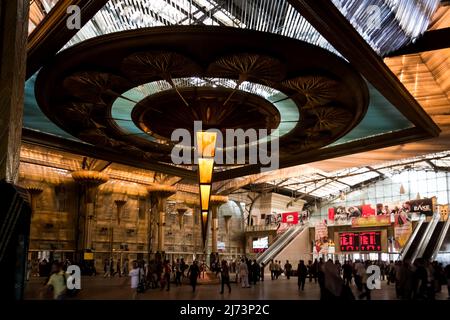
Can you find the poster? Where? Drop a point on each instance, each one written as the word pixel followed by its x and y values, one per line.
pixel 321 238
pixel 401 235
pixel 443 211
pixel 422 206
pixel 290 217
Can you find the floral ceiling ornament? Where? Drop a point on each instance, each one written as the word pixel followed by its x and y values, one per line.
pixel 317 90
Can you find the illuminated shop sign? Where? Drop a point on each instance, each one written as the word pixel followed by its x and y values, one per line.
pixel 360 241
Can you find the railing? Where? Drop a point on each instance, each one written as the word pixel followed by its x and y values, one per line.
pixel 261 228
pixel 412 237
pixel 279 244
pixel 441 239
pixel 426 237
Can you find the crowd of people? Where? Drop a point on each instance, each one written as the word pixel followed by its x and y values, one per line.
pixel 420 280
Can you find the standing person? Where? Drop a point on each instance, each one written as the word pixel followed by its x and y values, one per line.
pixel 178 273
pixel 348 272
pixel 315 270
pixel 321 276
pixel 111 268
pixel 366 291
pixel 193 274
pixel 106 269
pixel 225 276
pixel 263 266
pixel 310 270
pixel 279 269
pixel 302 272
pixel 29 270
pixel 255 272
pixel 125 267
pixel 118 268
pixel 167 271
pixel 447 276
pixel 332 283
pixel 287 269
pixel 243 274
pixel 272 269
pixel 360 271
pixel 136 274
pixel 183 268
pixel 57 281
pixel 249 270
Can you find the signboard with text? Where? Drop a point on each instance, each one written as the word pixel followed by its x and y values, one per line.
pixel 369 241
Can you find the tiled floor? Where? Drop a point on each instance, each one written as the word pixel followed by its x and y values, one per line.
pixel 281 289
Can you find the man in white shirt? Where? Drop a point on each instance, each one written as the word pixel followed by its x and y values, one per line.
pixel 136 274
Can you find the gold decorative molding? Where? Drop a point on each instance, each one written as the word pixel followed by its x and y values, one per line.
pixel 218 199
pixel 161 190
pixel 91 178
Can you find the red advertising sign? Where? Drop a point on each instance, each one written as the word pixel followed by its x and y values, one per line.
pixel 290 217
pixel 360 241
pixel 331 214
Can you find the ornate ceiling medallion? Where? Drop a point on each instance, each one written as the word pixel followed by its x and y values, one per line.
pixel 130 90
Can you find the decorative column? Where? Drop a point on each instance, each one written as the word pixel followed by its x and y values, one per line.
pixel 159 194
pixel 227 219
pixel 89 180
pixel 181 212
pixel 34 190
pixel 120 203
pixel 216 201
pixel 13 52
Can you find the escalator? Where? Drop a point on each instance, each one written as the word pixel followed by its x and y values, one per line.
pixel 279 244
pixel 416 238
pixel 432 245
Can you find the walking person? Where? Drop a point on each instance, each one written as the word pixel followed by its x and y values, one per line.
pixel 263 266
pixel 447 276
pixel 57 281
pixel 347 273
pixel 272 269
pixel 310 270
pixel 166 277
pixel 302 272
pixel 243 274
pixel 136 274
pixel 287 269
pixel 225 276
pixel 106 269
pixel 193 274
pixel 178 273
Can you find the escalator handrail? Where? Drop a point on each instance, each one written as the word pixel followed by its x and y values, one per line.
pixel 276 241
pixel 426 237
pixel 282 236
pixel 412 237
pixel 275 248
pixel 441 239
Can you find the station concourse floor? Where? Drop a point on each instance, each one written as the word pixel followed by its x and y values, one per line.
pixel 99 288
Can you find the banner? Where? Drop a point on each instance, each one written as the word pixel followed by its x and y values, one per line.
pixel 320 230
pixel 401 235
pixel 422 206
pixel 371 221
pixel 321 237
pixel 290 217
pixel 443 211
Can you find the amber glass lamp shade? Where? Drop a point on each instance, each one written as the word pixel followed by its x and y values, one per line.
pixel 206 144
pixel 205 170
pixel 205 192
